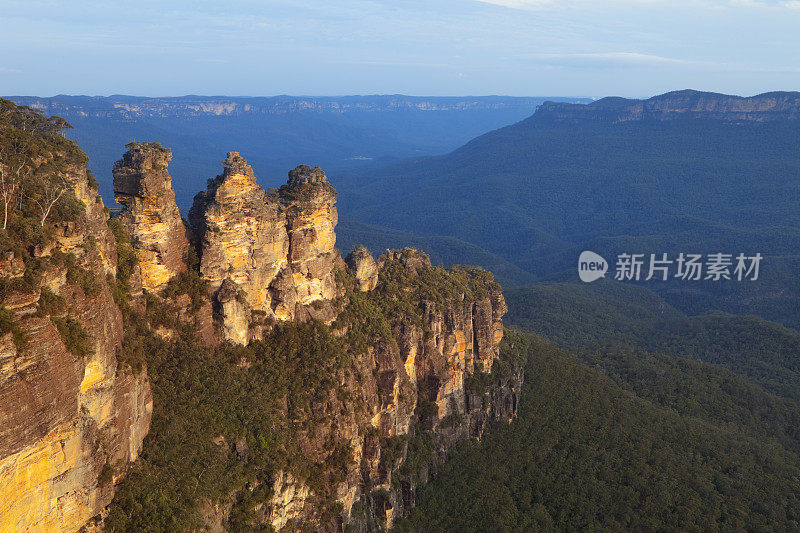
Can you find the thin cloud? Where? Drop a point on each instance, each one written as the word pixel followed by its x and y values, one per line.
pixel 611 59
pixel 637 60
pixel 519 4
pixel 534 5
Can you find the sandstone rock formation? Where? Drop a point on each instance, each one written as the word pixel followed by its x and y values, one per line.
pixel 266 255
pixel 394 347
pixel 364 267
pixel 69 425
pixel 144 187
pixel 308 201
pixel 416 380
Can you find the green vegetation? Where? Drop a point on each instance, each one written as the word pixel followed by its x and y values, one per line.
pixel 578 316
pixel 189 283
pixel 51 303
pixel 232 415
pixel 36 167
pixel 74 337
pixel 586 453
pixel 126 259
pixel 207 401
pixel 7 325
pixel 655 420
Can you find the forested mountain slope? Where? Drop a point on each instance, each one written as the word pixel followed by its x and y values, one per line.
pixel 662 444
pixel 681 172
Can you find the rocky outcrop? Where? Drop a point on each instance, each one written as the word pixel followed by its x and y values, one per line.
pixel 308 201
pixel 70 424
pixel 143 186
pixel 402 360
pixel 420 382
pixel 266 256
pixel 364 268
pixel 678 105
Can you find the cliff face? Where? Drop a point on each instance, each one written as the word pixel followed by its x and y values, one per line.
pixel 266 256
pixel 421 343
pixel 364 268
pixel 144 187
pixel 403 357
pixel 418 383
pixel 679 105
pixel 70 419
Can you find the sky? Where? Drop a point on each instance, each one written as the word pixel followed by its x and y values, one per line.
pixel 591 48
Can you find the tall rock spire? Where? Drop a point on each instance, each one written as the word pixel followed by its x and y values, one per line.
pixel 267 256
pixel 144 187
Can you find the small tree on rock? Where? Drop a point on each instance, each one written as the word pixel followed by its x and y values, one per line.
pixel 47 193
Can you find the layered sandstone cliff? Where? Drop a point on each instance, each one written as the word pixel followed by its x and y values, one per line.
pixel 266 256
pixel 417 383
pixel 412 365
pixel 678 105
pixel 422 343
pixel 70 423
pixel 143 186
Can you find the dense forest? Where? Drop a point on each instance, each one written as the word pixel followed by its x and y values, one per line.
pixel 624 440
pixel 580 316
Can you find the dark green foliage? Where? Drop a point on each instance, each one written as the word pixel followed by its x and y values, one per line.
pixel 190 283
pixel 420 453
pixel 576 316
pixel 37 159
pixel 265 395
pixel 587 454
pixel 401 295
pixel 74 337
pixel 695 389
pixel 51 303
pixel 452 420
pixel 126 262
pixel 392 449
pixel 7 325
pixel 85 279
pixel 92 180
pixel 202 394
pixel 106 475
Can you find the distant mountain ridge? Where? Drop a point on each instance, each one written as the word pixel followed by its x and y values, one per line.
pixel 276 132
pixel 123 106
pixel 771 106
pixel 680 171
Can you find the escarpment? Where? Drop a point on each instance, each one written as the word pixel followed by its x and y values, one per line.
pixel 425 374
pixel 291 389
pixel 143 186
pixel 267 256
pixel 71 418
pixel 678 105
pixel 407 357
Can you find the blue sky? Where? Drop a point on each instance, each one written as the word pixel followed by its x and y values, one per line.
pixel 435 47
